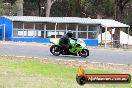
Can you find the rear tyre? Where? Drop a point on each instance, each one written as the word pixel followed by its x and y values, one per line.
pixel 55 50
pixel 84 53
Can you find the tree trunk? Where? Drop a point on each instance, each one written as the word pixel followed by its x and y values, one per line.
pixel 119 7
pixel 19 4
pixel 48 7
pixel 116 35
pixel 99 16
pixel 39 7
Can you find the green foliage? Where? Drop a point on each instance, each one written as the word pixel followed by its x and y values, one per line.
pixel 108 8
pixel 92 8
pixel 1 8
pixel 75 8
pixel 60 8
pixel 7 8
pixel 129 18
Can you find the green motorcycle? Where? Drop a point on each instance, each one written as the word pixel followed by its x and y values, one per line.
pixel 78 48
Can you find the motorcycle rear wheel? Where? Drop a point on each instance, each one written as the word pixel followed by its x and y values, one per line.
pixel 55 50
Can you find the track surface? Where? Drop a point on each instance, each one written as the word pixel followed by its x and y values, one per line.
pixel 108 56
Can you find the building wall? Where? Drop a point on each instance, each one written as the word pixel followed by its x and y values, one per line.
pixel 38 40
pixel 1 28
pixel 8 28
pixel 80 31
pixel 91 42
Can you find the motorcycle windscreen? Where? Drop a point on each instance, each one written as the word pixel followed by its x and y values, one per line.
pixel 81 42
pixel 54 41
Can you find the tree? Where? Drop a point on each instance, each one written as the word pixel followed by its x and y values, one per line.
pixel 128 16
pixel 43 4
pixel 97 8
pixel 119 8
pixel 19 4
pixel 75 8
pixel 1 8
pixel 60 8
pixel 48 7
pixel 10 1
pixel 7 8
pixel 33 7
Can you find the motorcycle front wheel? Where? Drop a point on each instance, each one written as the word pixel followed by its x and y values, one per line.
pixel 84 53
pixel 55 50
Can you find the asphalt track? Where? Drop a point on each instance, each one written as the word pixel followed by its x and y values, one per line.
pixel 107 56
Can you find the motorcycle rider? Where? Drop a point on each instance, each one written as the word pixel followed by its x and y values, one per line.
pixel 65 39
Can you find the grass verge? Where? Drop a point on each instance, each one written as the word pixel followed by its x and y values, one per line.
pixel 33 73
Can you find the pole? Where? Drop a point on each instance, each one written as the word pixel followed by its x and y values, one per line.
pixel 23 30
pixel 34 32
pixel 111 37
pixel 55 29
pixel 87 31
pixel 77 31
pixel 66 28
pixel 101 37
pixel 128 37
pixel 44 30
pixel 105 37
